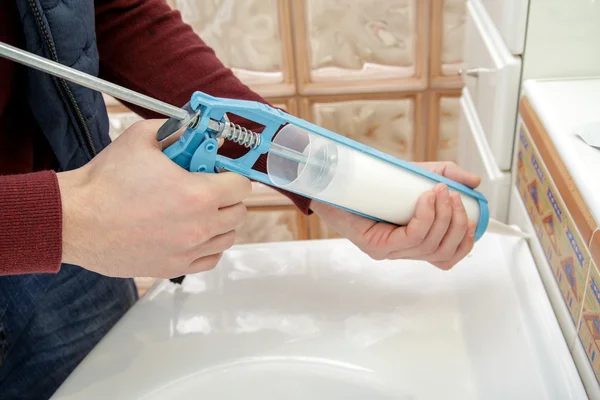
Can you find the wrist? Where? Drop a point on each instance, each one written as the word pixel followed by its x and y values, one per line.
pixel 318 207
pixel 71 187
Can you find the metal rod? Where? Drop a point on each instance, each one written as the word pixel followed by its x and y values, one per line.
pixel 288 153
pixel 89 81
pixel 119 92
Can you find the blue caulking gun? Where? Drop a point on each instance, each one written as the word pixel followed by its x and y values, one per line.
pixel 302 158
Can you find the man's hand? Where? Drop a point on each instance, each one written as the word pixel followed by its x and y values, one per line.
pixel 439 233
pixel 133 212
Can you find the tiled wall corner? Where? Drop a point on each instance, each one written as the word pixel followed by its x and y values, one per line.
pixel 565 250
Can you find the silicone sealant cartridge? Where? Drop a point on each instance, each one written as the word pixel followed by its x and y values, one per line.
pixel 351 179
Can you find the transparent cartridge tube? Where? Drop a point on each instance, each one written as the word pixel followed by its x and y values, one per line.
pixel 349 178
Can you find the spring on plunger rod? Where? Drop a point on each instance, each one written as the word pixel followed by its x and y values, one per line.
pixel 239 135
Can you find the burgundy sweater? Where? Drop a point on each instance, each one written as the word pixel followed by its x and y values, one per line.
pixel 143 45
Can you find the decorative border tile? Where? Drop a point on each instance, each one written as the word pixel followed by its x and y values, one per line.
pixel 563 245
pixel 578 208
pixel 589 324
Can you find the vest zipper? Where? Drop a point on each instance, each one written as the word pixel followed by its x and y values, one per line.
pixel 86 137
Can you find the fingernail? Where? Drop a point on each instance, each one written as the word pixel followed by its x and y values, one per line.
pixel 439 188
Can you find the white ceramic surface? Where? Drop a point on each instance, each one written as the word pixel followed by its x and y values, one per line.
pixel 564 106
pixel 474 154
pixel 495 85
pixel 562 39
pixel 312 320
pixel 510 19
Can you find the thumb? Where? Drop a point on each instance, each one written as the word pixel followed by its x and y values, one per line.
pixel 145 131
pixel 149 129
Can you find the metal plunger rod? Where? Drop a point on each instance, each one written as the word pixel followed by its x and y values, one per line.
pixel 90 81
pixel 119 92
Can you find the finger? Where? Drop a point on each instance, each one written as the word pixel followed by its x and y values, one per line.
pixel 419 226
pixel 456 232
pixel 443 217
pixel 457 174
pixel 204 264
pixel 230 187
pixel 463 250
pixel 215 245
pixel 229 218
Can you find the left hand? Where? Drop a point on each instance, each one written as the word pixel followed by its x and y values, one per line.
pixel 439 232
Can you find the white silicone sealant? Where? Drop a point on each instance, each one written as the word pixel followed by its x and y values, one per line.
pixel 349 178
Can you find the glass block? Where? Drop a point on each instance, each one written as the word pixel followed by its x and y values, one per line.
pixel 449 119
pixel 245 35
pixel 271 225
pixel 360 40
pixel 386 125
pixel 453 32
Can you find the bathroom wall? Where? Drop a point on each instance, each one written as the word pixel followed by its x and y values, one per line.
pixel 383 72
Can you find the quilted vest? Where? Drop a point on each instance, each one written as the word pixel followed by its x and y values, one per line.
pixel 73 118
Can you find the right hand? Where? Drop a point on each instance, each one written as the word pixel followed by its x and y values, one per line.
pixel 133 212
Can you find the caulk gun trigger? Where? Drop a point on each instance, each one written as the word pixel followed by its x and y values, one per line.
pixel 174 125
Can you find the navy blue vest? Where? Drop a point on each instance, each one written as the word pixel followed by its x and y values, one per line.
pixel 73 118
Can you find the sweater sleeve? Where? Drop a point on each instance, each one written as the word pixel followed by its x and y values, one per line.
pixel 30 224
pixel 145 45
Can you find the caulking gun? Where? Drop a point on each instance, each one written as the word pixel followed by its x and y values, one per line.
pixel 302 158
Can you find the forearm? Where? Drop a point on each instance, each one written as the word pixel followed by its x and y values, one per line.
pixel 144 45
pixel 30 224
